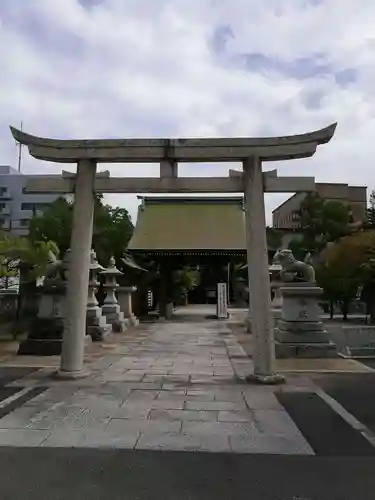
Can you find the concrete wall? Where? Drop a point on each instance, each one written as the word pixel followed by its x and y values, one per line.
pixel 17 207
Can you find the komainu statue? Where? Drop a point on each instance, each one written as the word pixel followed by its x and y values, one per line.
pixel 55 268
pixel 294 270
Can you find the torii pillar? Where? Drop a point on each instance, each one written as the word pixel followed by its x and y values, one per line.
pixel 250 151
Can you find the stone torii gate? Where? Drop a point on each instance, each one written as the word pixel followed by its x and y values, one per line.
pixel 168 153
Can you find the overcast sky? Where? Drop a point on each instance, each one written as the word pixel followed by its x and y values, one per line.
pixel 192 68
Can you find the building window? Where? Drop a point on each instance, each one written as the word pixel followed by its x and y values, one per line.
pixel 27 206
pixel 3 190
pixel 33 206
pixel 24 222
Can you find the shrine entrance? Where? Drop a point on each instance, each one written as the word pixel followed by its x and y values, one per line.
pixel 251 181
pixel 190 238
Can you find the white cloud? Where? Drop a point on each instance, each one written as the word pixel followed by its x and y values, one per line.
pixel 130 68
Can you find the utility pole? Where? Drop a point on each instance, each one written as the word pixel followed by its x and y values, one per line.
pixel 20 153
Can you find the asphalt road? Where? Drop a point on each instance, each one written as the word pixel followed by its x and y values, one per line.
pixel 9 374
pixel 327 432
pixel 355 392
pixel 77 474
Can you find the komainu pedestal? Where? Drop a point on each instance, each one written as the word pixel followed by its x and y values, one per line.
pixel 45 332
pixel 300 333
pixel 45 335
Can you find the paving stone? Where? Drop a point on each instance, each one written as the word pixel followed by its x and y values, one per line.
pixel 179 394
pixel 154 379
pixel 143 385
pixel 164 404
pixel 281 445
pixel 261 399
pixel 121 425
pixel 22 437
pixel 193 415
pixel 223 372
pixel 52 396
pixel 20 418
pixel 224 428
pixel 133 375
pixel 99 405
pixel 228 395
pixel 204 396
pixel 200 394
pixel 84 420
pixel 235 416
pixel 131 412
pixel 91 438
pixel 177 378
pixel 140 395
pixel 183 442
pixel 53 419
pixel 275 422
pixel 215 405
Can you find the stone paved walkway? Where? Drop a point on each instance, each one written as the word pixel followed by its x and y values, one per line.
pixel 164 386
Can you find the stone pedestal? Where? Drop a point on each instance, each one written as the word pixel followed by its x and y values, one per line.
pixel 110 307
pixel 277 303
pixel 96 324
pixel 300 333
pixel 240 294
pixel 45 336
pixel 169 309
pixel 247 322
pixel 124 295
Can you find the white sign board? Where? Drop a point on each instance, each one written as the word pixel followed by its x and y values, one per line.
pixel 222 300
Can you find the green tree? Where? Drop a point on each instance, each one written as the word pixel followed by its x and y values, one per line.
pixel 184 280
pixel 53 224
pixel 321 221
pixel 15 252
pixel 274 237
pixel 349 265
pixel 111 233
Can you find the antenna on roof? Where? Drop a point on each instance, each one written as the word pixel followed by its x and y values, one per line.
pixel 20 153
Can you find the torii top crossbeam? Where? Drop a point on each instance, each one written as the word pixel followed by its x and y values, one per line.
pixel 176 150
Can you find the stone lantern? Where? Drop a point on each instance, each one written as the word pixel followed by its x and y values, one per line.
pixel 96 324
pixel 111 308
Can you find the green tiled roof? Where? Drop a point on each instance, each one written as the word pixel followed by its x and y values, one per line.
pixel 189 224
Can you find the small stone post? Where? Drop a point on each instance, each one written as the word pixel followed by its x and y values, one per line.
pixel 96 324
pixel 110 307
